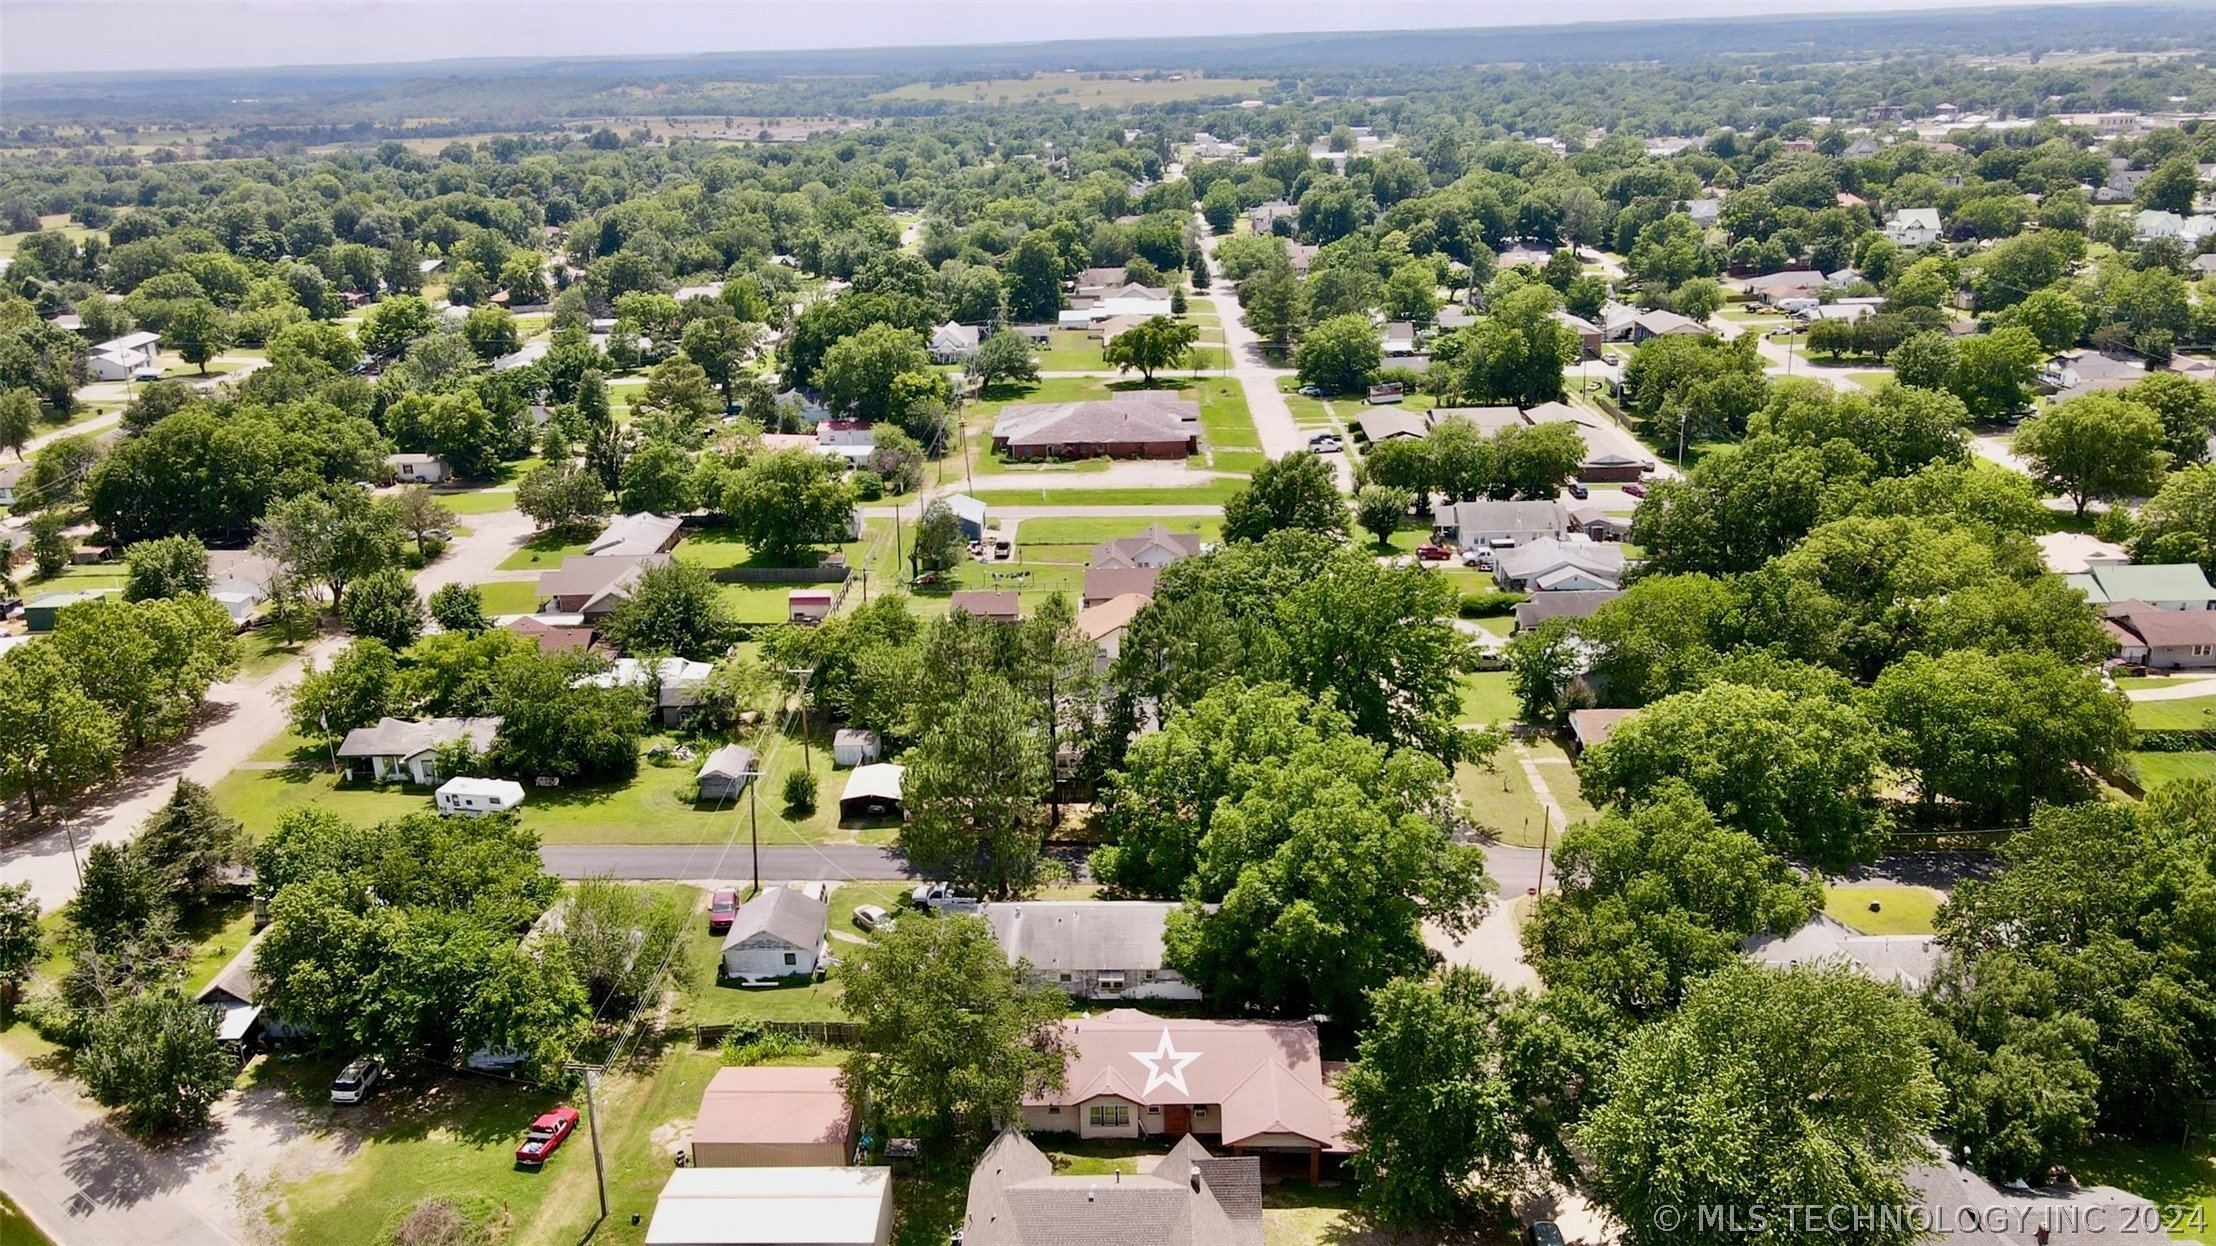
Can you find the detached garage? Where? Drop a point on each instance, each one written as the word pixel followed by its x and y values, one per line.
pixel 773 1118
pixel 872 791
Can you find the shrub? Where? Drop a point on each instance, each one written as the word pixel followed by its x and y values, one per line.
pixel 473 1220
pixel 1490 605
pixel 750 1042
pixel 800 792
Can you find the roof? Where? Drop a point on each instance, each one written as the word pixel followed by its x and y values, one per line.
pixel 783 913
pixel 1920 218
pixel 1112 615
pixel 1790 279
pixel 878 780
pixel 401 737
pixel 1266 1075
pixel 858 736
pixel 966 508
pixel 2164 629
pixel 509 789
pixel 1064 935
pixel 1143 415
pixel 729 762
pixel 1558 413
pixel 1979 1213
pixel 760 1206
pixel 1575 604
pixel 1538 558
pixel 129 341
pixel 1472 517
pixel 552 637
pixel 1188 1198
pixel 1128 551
pixel 1102 583
pixel 987 603
pixel 2073 552
pixel 235 981
pixel 1380 426
pixel 1591 727
pixel 773 1107
pixel 1487 419
pixel 673 675
pixel 2180 581
pixel 1907 960
pixel 582 575
pixel 632 535
pixel 1658 323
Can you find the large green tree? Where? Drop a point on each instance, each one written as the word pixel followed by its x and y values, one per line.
pixel 784 501
pixel 1297 491
pixel 155 1057
pixel 1158 344
pixel 974 793
pixel 672 609
pixel 1339 355
pixel 2096 446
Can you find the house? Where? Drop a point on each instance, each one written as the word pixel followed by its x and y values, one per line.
pixel 1398 338
pixel 232 994
pixel 529 353
pixel 854 746
pixel 417 469
pixel 1188 1198
pixel 2083 371
pixel 400 749
pixel 676 683
pixel 1107 583
pixel 1590 727
pixel 1489 420
pixel 554 633
pixel 1552 565
pixel 1379 427
pixel 2165 586
pixel 725 774
pixel 635 536
pixel 1090 949
pixel 1251 1085
pixel 1774 288
pixel 846 433
pixel 2072 553
pixel 1263 217
pixel 11 476
pixel 592 587
pixel 2068 1214
pixel 872 791
pixel 1705 212
pixel 475 798
pixel 1301 256
pixel 1104 623
pixel 2163 639
pixel 777 934
pixel 1913 227
pixel 1129 299
pixel 1617 321
pixel 953 342
pixel 1155 548
pixel 969 514
pixel 1096 280
pixel 773 1118
pixel 2154 223
pixel 1148 424
pixel 122 358
pixel 1523 255
pixel 1598 524
pixel 2204 265
pixel 39 611
pixel 1590 337
pixel 1501 524
pixel 1609 467
pixel 1903 960
pixel 1653 324
pixel 808 605
pixel 1861 149
pixel 1567 605
pixel 774 1207
pixel 1000 606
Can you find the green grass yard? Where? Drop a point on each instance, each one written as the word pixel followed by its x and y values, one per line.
pixel 1489 697
pixel 477 501
pixel 2186 714
pixel 544 552
pixel 1901 910
pixel 2166 1174
pixel 2154 768
pixel 1871 380
pixel 16 1228
pixel 509 596
pixel 1204 491
pixel 1090 532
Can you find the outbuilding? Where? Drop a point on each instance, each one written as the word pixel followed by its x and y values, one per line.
pixel 854 746
pixel 872 791
pixel 777 934
pixel 774 1207
pixel 773 1118
pixel 727 771
pixel 475 798
pixel 808 605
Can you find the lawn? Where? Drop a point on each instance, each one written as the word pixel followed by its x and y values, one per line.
pixel 2157 768
pixel 1500 800
pixel 2185 714
pixel 710 1002
pixel 1204 491
pixel 543 552
pixel 262 650
pixel 509 596
pixel 1871 380
pixel 1901 910
pixel 216 936
pixel 1489 697
pixel 16 1228
pixel 478 501
pixel 1090 532
pixel 2165 1174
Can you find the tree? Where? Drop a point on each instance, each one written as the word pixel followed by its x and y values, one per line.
pixel 2172 187
pixel 973 793
pixel 155 1056
pixel 1296 491
pixel 1698 299
pixel 490 332
pixel 859 372
pixel 460 608
pixel 424 518
pixel 391 325
pixel 120 893
pixel 384 607
pixel 1536 461
pixel 551 724
pixel 1430 1098
pixel 1004 356
pixel 1034 274
pixel 1993 372
pixel 360 687
pixel 720 346
pixel 148 663
pixel 898 459
pixel 191 845
pixel 563 497
pixel 1153 345
pixel 331 536
pixel 1339 355
pixel 1923 361
pixel 1655 899
pixel 50 548
pixel 675 609
pixel 949 1038
pixel 168 567
pixel 1818 762
pixel 1544 661
pixel 2187 409
pixel 198 331
pixel 1220 206
pixel 1826 1083
pixel 18 419
pixel 22 942
pixel 784 501
pixel 1270 301
pixel 1379 510
pixel 2095 446
pixel 620 939
pixel 657 479
pixel 679 399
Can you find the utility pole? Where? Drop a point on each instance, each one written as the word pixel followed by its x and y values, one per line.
pixel 754 826
pixel 1546 827
pixel 592 1121
pixel 807 757
pixel 71 836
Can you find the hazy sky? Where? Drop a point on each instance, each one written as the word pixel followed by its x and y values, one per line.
pixel 58 35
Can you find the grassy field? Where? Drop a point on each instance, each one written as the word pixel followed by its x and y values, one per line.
pixel 1090 532
pixel 1489 697
pixel 543 552
pixel 1087 90
pixel 2186 714
pixel 1871 380
pixel 16 1228
pixel 1902 910
pixel 477 501
pixel 1204 491
pixel 2156 768
pixel 509 596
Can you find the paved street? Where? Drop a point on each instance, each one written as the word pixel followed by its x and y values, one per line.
pixel 1273 419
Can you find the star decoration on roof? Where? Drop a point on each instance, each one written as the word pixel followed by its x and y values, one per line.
pixel 1163 1052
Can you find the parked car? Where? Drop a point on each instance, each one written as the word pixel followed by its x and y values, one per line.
pixel 1003 548
pixel 939 897
pixel 1434 553
pixel 1492 660
pixel 1578 490
pixel 545 1136
pixel 1326 444
pixel 354 1082
pixel 1310 391
pixel 723 909
pixel 871 917
pixel 1610 357
pixel 1636 489
pixel 1542 1233
pixel 1481 559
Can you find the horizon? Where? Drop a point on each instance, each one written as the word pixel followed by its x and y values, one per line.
pixel 43 38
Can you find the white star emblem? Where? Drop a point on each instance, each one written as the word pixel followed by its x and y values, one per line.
pixel 1155 1076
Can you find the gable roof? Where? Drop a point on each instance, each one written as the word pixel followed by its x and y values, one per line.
pixel 1112 615
pixel 1907 960
pixel 1574 604
pixel 2144 582
pixel 1189 1198
pixel 1060 936
pixel 1537 558
pixel 1483 516
pixel 1143 416
pixel 1593 726
pixel 2164 629
pixel 401 737
pixel 783 913
pixel 1487 419
pixel 771 1107
pixel 728 762
pixel 1105 583
pixel 1917 218
pixel 1380 426
pixel 1266 1075
pixel 593 578
pixel 1127 551
pixel 632 535
pixel 987 603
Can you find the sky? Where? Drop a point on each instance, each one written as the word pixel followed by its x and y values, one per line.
pixel 50 36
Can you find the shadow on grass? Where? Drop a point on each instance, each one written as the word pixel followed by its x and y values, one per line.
pixel 2163 1173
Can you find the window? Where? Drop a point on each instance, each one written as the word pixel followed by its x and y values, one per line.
pixel 1111 1116
pixel 2202 651
pixel 1111 982
pixel 791 959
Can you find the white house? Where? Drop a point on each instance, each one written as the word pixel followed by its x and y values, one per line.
pixel 1501 524
pixel 676 682
pixel 419 469
pixel 953 343
pixel 781 933
pixel 1913 227
pixel 476 797
pixel 1552 565
pixel 119 359
pixel 400 749
pixel 1091 949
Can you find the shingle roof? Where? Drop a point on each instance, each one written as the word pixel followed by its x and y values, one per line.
pixel 1471 517
pixel 1381 426
pixel 2165 629
pixel 1144 415
pixel 1576 604
pixel 1111 616
pixel 1128 551
pixel 1267 1075
pixel 1016 1200
pixel 1057 936
pixel 784 914
pixel 632 535
pixel 987 603
pixel 1103 583
pixel 400 737
pixel 1545 555
pixel 591 577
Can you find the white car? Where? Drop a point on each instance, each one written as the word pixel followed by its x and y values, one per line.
pixel 354 1082
pixel 871 917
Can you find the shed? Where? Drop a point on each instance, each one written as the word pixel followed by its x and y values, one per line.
pixel 777 934
pixel 969 513
pixel 773 1118
pixel 774 1207
pixel 872 791
pixel 808 605
pixel 725 774
pixel 421 469
pixel 477 797
pixel 1000 606
pixel 853 746
pixel 39 612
